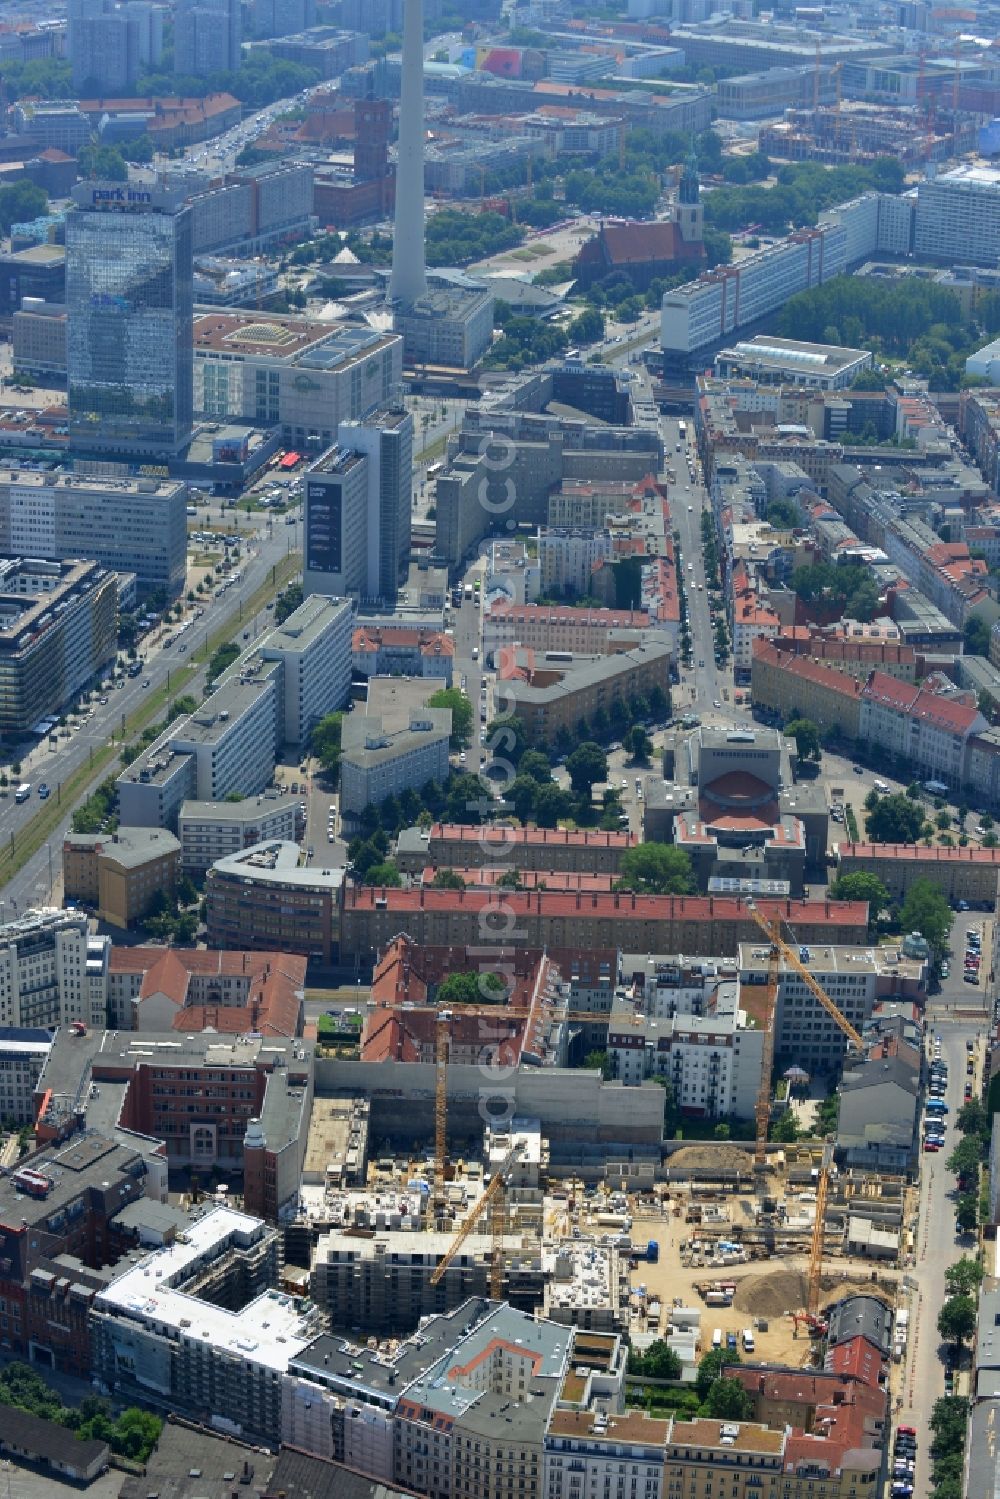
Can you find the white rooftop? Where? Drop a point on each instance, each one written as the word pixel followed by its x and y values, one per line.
pixel 270 1330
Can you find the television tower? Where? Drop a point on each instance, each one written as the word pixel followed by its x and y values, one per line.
pixel 409 275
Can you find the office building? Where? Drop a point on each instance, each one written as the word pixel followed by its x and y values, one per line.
pixel 262 897
pixel 142 1083
pixel 133 526
pixel 313 647
pixel 52 972
pixel 326 49
pixel 386 440
pixel 58 633
pixel 110 42
pixel 280 689
pixel 217 1337
pixel 399 650
pixel 449 324
pixel 378 760
pixel 207 37
pixel 856 978
pixel 123 874
pixel 304 376
pixel 23 1053
pixel 129 298
pixel 252 209
pixel 357 511
pixel 212 830
pixel 336 526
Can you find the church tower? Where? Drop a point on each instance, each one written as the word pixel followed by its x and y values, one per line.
pixel 689 212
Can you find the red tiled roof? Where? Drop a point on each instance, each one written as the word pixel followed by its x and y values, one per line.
pixel 915 853
pixel 858 1357
pixel 554 903
pixel 505 838
pixel 918 703
pixel 274 986
pixel 808 671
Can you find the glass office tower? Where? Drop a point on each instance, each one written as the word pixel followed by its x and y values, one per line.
pixel 129 297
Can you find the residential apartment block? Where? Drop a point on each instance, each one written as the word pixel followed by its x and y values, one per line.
pixel 713 925
pixel 52 971
pixel 969 874
pixel 542 627
pixel 121 874
pixel 201 1349
pixel 380 759
pixel 792 686
pixel 465 846
pixel 923 730
pixel 555 696
pixel 23 1054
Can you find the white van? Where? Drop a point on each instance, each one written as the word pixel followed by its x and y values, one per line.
pixel 717 1339
pixel 747 1339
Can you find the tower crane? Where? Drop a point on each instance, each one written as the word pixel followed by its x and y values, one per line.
pixel 772 930
pixel 440 1109
pixel 492 1201
pixel 763 1109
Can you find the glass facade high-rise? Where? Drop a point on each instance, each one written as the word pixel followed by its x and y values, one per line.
pixel 129 296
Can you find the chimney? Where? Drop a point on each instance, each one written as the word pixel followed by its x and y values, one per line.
pixel 409 278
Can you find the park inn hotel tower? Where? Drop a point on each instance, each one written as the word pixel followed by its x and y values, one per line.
pixel 130 307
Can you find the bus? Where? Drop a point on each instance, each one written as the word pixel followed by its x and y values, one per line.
pixel 682 430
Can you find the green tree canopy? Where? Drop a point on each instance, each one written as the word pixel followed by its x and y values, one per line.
pixel 471 989
pixel 710 1367
pixel 21 202
pixel 727 1400
pixel 977 637
pixel 894 819
pixel 588 763
pixel 384 874
pixel 325 741
pixel 656 869
pixel 461 714
pixel 784 515
pixel 806 736
pixel 927 911
pixel 658 1362
pixel 957 1319
pixel 447 879
pixel 964 1277
pixel 861 885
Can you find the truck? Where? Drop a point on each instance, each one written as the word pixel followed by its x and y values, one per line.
pixel 468 590
pixel 23 792
pixel 652 1252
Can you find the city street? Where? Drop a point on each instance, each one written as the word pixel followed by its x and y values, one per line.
pixel 33 883
pixel 937 1247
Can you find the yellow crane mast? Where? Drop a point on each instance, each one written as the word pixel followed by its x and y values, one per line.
pixel 763 1110
pixel 491 1201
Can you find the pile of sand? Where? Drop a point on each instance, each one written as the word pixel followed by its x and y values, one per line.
pixel 711 1157
pixel 781 1291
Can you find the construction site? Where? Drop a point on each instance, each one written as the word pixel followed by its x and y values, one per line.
pixel 740 1245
